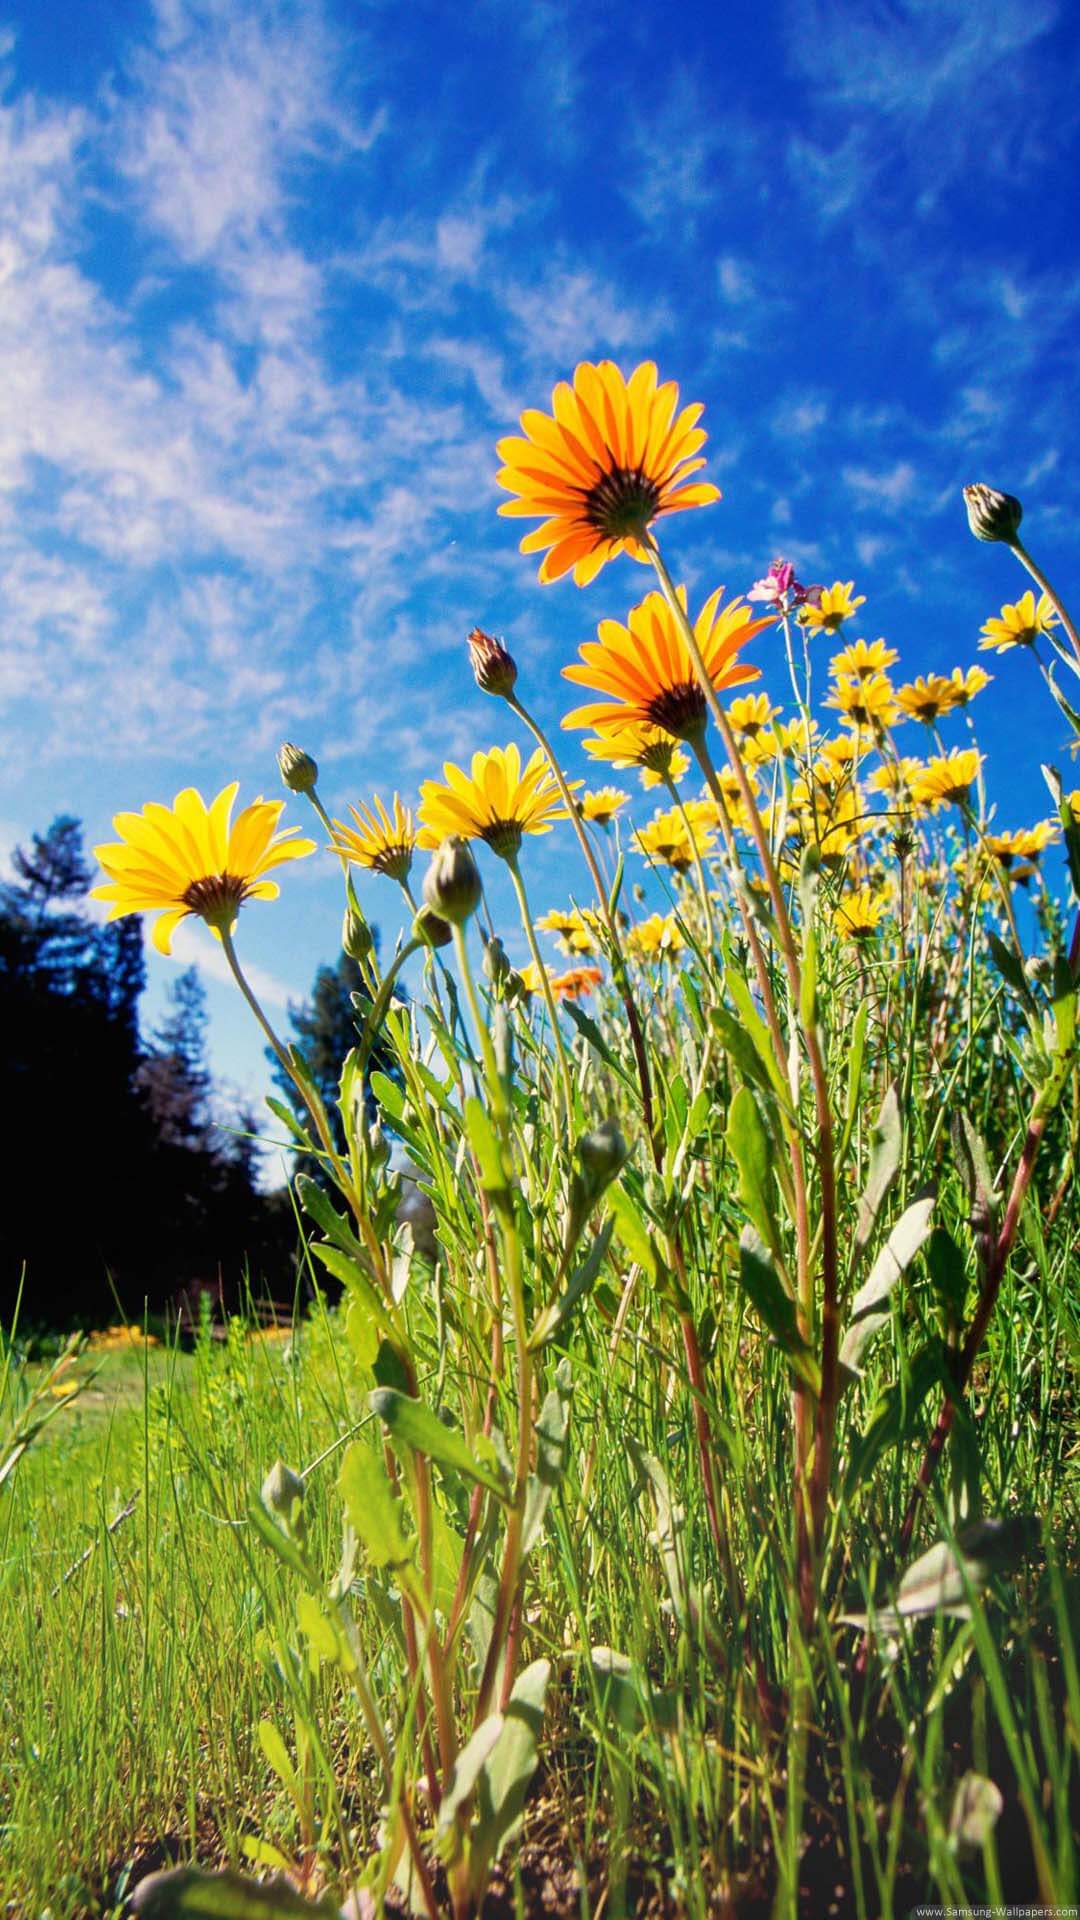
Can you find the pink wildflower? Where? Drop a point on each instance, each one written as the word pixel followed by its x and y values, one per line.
pixel 779 588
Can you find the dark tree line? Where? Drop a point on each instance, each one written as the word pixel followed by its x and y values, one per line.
pixel 120 1187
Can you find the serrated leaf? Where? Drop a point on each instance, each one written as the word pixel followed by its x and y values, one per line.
pixel 319 1207
pixel 886 1146
pixel 373 1509
pixel 415 1424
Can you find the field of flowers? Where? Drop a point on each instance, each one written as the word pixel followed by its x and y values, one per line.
pixel 678 1514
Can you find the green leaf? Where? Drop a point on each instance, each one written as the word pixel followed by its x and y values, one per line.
pixel 903 1243
pixel 591 1032
pixel 627 1693
pixel 947 1577
pixel 751 1147
pixel 273 1537
pixel 418 1427
pixel 495 1175
pixel 774 1305
pixel 1064 1003
pixel 352 1276
pixel 505 1775
pixel 1008 965
pixel 974 1169
pixel 556 1314
pixel 389 1095
pixel 318 1206
pixel 948 1270
pixel 632 1232
pixel 758 1033
pixel 886 1145
pixel 186 1893
pixel 809 880
pixel 373 1509
pixel 361 1332
pixel 288 1119
pixel 277 1754
pixel 552 1429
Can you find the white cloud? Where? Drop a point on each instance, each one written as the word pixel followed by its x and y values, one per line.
pixel 891 488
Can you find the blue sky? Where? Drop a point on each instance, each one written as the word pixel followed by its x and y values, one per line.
pixel 275 277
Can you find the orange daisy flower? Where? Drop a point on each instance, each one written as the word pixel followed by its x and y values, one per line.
pixel 646 670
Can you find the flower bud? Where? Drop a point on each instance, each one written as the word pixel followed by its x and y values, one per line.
pixel 429 928
pixel 357 939
pixel 297 768
pixel 283 1496
pixel 492 665
pixel 495 963
pixel 992 515
pixel 603 1153
pixel 452 884
pixel 378 1146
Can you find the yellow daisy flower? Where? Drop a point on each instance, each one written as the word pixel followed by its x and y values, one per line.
pixel 969 683
pixel 669 841
pixel 833 606
pixel 656 938
pixel 927 698
pixel 188 859
pixel 869 702
pixel 646 671
pixel 895 777
pixel 652 751
pixel 380 840
pixel 859 914
pixel 863 657
pixel 837 760
pixel 750 716
pixel 947 779
pixel 571 929
pixel 1023 843
pixel 601 804
pixel 1019 625
pixel 497 801
pixel 616 456
pixel 790 738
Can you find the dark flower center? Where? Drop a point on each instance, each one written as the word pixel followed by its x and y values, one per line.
pixel 394 860
pixel 215 897
pixel 622 502
pixel 503 837
pixel 679 710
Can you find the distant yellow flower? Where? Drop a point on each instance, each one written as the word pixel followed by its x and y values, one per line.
pixel 187 859
pixel 497 801
pixel 1023 843
pixel 655 753
pixel 1019 625
pixel 778 743
pixel 837 760
pixel 382 841
pixel 530 976
pixel 575 983
pixel 646 671
pixel 601 804
pixel 656 938
pixel 668 840
pixel 834 605
pixel 969 683
pixel 616 456
pixel 928 698
pixel 749 716
pixel 895 777
pixel 949 778
pixel 869 702
pixel 862 657
pixel 571 929
pixel 859 914
pixel 832 829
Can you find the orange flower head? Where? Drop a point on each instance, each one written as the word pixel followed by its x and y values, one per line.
pixel 612 457
pixel 646 671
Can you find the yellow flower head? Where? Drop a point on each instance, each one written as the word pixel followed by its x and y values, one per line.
pixel 650 749
pixel 380 840
pixel 832 607
pixel 656 938
pixel 948 779
pixel 790 739
pixel 187 859
pixel 863 657
pixel 616 456
pixel 895 777
pixel 927 698
pixel 859 914
pixel 646 671
pixel 601 804
pixel 1023 843
pixel 869 702
pixel 749 716
pixel 571 929
pixel 837 760
pixel 968 684
pixel 497 801
pixel 1019 625
pixel 670 841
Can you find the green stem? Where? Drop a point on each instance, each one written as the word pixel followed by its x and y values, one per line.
pixel 545 986
pixel 1043 584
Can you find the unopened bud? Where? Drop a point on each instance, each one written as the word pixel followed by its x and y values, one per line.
pixel 495 963
pixel 992 515
pixel 432 930
pixel 452 884
pixel 378 1146
pixel 603 1152
pixel 297 768
pixel 357 939
pixel 492 665
pixel 283 1496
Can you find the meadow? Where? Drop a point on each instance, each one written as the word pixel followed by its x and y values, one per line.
pixel 677 1512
